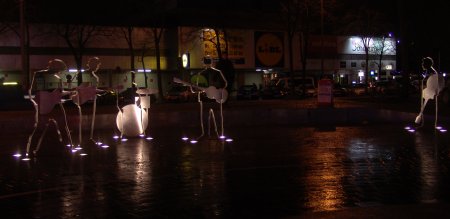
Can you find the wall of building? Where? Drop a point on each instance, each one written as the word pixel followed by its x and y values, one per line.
pixel 255 53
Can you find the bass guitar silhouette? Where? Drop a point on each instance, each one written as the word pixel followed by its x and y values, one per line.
pixel 218 94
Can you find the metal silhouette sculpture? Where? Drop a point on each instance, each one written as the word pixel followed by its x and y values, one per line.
pixel 220 95
pixel 85 93
pixel 44 103
pixel 132 119
pixel 434 85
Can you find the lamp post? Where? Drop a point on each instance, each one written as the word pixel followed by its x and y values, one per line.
pixel 23 37
pixel 321 38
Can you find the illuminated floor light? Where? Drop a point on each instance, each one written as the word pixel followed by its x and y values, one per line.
pixel 141 135
pixel 229 140
pixel 99 143
pixel 26 159
pixel 78 148
pixel 83 154
pixel 411 130
pixel 124 139
pixel 184 138
pixel 17 155
pixel 222 137
pixel 193 141
pixel 407 128
pixel 105 146
pixel 74 150
pixel 116 137
pixel 149 138
pixel 68 145
pixel 443 130
pixel 438 127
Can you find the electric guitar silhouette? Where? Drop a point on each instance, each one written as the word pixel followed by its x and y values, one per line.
pixel 47 100
pixel 220 95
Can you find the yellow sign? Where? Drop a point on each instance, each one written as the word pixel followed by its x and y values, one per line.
pixel 269 49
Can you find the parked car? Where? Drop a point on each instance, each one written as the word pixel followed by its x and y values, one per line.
pixel 358 89
pixel 385 88
pixel 247 92
pixel 179 93
pixel 272 91
pixel 286 83
pixel 339 90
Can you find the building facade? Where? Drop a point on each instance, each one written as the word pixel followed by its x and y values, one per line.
pixel 258 55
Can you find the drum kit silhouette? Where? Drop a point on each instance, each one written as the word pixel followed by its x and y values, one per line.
pixel 132 119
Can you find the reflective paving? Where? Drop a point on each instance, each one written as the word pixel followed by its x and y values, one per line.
pixel 265 172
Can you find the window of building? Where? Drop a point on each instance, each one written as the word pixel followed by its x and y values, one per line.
pixel 353 64
pixel 343 64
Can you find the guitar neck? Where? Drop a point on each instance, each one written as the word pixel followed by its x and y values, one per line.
pixel 177 80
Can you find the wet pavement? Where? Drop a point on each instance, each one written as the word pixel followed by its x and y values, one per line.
pixel 266 171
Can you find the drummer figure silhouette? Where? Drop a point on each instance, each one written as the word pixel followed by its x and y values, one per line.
pixel 44 102
pixel 434 85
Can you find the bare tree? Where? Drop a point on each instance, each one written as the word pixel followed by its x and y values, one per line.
pixel 299 17
pixel 77 38
pixel 367 22
pixel 383 45
pixel 217 37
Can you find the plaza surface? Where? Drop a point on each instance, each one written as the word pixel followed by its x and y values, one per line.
pixel 305 168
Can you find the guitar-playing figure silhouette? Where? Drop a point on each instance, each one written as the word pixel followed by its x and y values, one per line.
pixel 434 85
pixel 44 103
pixel 88 92
pixel 216 91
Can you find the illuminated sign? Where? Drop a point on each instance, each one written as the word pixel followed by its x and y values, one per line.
pixel 185 60
pixel 375 45
pixel 269 49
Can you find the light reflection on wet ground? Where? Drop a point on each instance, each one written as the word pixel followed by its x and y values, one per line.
pixel 265 172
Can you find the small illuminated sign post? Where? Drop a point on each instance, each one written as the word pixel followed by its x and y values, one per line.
pixel 185 60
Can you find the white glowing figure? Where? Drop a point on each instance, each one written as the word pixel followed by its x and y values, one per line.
pixel 132 119
pixel 85 93
pixel 45 101
pixel 220 95
pixel 434 85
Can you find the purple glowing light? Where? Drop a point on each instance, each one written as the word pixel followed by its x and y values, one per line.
pixel 184 138
pixel 105 146
pixel 124 139
pixel 229 140
pixel 194 141
pixel 116 137
pixel 149 138
pixel 17 155
pixel 26 159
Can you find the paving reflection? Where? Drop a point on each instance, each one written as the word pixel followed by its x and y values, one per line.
pixel 265 172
